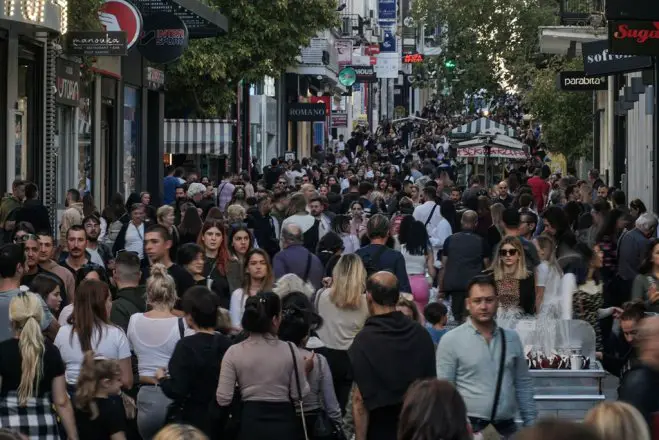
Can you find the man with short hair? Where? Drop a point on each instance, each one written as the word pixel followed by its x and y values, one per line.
pixel 297 259
pixel 76 242
pixel 130 298
pixel 157 243
pixel 511 225
pixel 99 253
pixel 317 211
pixel 12 268
pixel 263 225
pixel 388 354
pixel 378 257
pixel 469 255
pixel 492 375
pixel 46 249
pixel 73 214
pixel 632 248
pixel 503 195
pixel 528 221
pixel 9 207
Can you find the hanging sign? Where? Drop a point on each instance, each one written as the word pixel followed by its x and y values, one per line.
pixel 598 60
pixel 387 11
pixel 67 80
pixel 154 79
pixel 120 15
pixel 412 58
pixel 339 120
pixel 164 39
pixel 97 44
pixel 634 37
pixel 365 74
pixel 578 81
pixel 303 111
pixel 347 76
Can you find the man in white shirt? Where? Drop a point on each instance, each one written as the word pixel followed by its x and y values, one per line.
pixel 340 145
pixel 430 214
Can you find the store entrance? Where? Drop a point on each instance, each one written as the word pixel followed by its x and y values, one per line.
pixel 108 167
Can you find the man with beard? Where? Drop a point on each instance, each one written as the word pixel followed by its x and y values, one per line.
pixel 76 240
pixel 99 253
pixel 46 262
pixel 180 199
pixel 32 269
pixel 387 356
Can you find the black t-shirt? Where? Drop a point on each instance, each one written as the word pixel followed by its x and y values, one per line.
pixel 111 419
pixel 10 367
pixel 465 252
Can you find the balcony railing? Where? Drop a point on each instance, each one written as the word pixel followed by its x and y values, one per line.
pixel 580 12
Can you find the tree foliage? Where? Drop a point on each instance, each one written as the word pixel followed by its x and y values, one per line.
pixel 264 38
pixel 566 117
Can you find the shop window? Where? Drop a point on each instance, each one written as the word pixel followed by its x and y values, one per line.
pixel 85 159
pixel 131 138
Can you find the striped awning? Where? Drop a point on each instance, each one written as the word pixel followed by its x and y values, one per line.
pixel 198 136
pixel 484 126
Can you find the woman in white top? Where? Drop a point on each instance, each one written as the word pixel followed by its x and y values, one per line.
pixel 259 277
pixel 153 336
pixel 341 225
pixel 419 259
pixel 131 236
pixel 548 278
pixel 91 330
pixel 344 311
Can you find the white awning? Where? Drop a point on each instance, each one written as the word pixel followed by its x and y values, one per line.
pixel 198 136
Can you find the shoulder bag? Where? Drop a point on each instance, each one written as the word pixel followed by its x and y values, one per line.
pixel 430 216
pixel 324 427
pixel 497 390
pixel 299 391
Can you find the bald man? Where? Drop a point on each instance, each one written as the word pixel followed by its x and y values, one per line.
pixel 639 386
pixel 465 255
pixel 387 356
pixel 503 195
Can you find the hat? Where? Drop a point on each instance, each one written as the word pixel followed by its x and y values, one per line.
pixel 196 188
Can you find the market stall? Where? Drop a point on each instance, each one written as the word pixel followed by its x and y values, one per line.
pixel 484 147
pixel 483 126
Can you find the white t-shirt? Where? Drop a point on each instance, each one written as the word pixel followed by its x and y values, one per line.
pixel 237 308
pixel 135 239
pixel 153 341
pixel 95 257
pixel 113 344
pixel 340 146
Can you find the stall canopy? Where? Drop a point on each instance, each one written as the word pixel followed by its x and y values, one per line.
pixel 483 126
pixel 500 146
pixel 198 136
pixel 410 119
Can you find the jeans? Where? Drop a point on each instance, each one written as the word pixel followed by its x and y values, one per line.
pixel 151 410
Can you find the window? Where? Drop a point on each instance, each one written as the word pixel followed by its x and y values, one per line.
pixel 131 138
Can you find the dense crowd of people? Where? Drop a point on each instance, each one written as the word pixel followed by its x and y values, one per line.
pixel 355 293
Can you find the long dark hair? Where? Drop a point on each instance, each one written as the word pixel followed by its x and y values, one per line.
pixel 191 224
pixel 404 229
pixel 610 226
pixel 416 238
pixel 233 230
pixel 89 312
pixel 433 409
pixel 647 265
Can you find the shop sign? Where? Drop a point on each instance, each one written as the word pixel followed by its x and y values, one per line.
pixel 372 49
pixel 344 50
pixel 154 79
pixel 325 100
pixel 365 74
pixel 598 60
pixel 578 81
pixel 91 43
pixel 339 120
pixel 48 14
pixel 67 79
pixel 347 76
pixel 164 39
pixel 120 15
pixel 388 40
pixel 412 58
pixel 631 10
pixel 387 11
pixel 302 111
pixel 634 37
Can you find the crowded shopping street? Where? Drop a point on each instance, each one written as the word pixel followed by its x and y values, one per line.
pixel 329 220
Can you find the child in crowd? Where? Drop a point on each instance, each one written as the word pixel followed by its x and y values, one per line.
pixel 436 315
pixel 99 412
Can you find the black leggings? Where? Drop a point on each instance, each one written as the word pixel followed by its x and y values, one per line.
pixel 339 364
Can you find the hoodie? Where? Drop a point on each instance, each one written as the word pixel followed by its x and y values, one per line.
pixel 388 355
pixel 130 300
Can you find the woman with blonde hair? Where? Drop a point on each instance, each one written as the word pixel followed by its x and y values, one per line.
pixel 32 374
pixel 344 310
pixel 153 336
pixel 618 421
pixel 515 284
pixel 180 432
pixel 166 216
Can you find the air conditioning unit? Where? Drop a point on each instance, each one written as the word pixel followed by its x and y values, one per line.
pixel 346 26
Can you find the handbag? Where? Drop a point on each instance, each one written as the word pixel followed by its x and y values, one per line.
pixel 497 391
pixel 175 408
pixel 299 392
pixel 324 427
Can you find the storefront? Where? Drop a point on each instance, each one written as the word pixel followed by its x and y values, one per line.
pixel 24 33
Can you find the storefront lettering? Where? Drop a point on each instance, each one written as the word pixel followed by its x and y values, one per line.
pixel 34 11
pixel 307 112
pixel 605 56
pixel 68 89
pixel 584 81
pixel 640 35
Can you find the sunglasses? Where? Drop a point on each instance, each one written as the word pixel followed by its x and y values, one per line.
pixel 508 252
pixel 26 237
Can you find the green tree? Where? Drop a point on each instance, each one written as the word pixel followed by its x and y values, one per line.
pixel 566 117
pixel 264 38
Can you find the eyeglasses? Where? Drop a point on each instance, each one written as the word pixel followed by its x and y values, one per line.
pixel 25 237
pixel 507 252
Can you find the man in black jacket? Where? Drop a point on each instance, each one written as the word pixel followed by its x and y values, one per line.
pixel 33 211
pixel 387 356
pixel 639 386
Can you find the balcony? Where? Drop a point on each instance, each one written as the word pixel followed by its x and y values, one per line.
pixel 320 53
pixel 581 12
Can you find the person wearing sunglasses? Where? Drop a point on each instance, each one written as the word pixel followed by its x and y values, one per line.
pixel 515 284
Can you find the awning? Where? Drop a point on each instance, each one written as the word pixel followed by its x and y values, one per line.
pixel 198 136
pixel 484 126
pixel 499 146
pixel 201 20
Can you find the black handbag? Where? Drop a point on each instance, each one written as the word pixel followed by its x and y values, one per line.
pixel 324 427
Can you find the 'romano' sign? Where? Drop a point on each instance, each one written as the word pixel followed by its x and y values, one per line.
pixel 578 81
pixel 302 111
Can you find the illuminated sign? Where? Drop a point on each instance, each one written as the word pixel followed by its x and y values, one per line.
pixel 412 58
pixel 48 14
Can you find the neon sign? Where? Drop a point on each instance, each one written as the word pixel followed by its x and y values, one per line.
pixel 412 58
pixel 50 14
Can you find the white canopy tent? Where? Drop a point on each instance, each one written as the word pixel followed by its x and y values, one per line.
pixel 500 145
pixel 483 126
